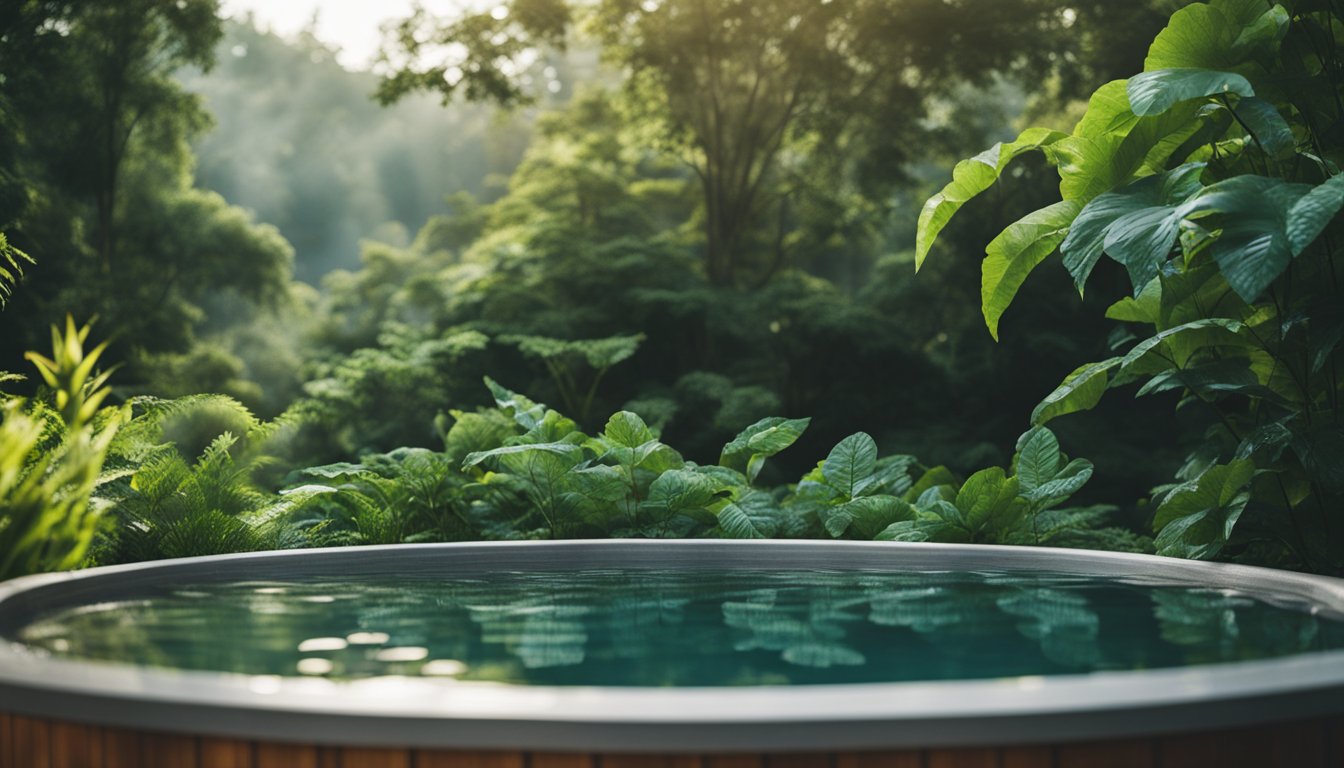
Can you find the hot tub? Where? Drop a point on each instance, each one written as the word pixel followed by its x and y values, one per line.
pixel 605 654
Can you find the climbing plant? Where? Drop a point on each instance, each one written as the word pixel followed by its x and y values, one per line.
pixel 1213 178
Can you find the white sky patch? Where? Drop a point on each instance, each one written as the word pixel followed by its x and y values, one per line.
pixel 353 26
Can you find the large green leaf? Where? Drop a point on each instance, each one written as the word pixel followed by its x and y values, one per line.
pixel 1155 92
pixel 1173 347
pixel 683 492
pixel 1313 211
pixel 849 468
pixel 1267 126
pixel 1111 146
pixel 627 430
pixel 864 518
pixel 526 412
pixel 970 178
pixel 1017 250
pixel 1144 308
pixel 1043 474
pixel 1136 224
pixel 989 501
pixel 1080 391
pixel 1252 213
pixel 736 523
pixel 568 450
pixel 1196 520
pixel 1219 36
pixel 748 451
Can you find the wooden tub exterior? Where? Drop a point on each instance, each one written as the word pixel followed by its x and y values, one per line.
pixel 27 742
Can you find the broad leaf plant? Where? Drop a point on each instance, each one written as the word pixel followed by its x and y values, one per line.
pixel 1213 178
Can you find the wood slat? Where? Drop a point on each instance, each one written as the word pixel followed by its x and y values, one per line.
pixel 426 758
pixel 561 760
pixel 32 742
pixel 6 742
pixel 1129 753
pixel 224 753
pixel 962 758
pixel 121 748
pixel 1299 744
pixel 733 761
pixel 168 750
pixel 285 756
pixel 650 761
pixel 1334 742
pixel 1188 750
pixel 903 759
pixel 360 757
pixel 329 757
pixel 1243 748
pixel 75 745
pixel 802 760
pixel 1027 757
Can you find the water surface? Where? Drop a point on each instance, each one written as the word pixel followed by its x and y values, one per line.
pixel 618 627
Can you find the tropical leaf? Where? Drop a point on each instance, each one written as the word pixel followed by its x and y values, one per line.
pixel 850 466
pixel 970 178
pixel 1196 519
pixel 1080 391
pixel 1156 91
pixel 748 451
pixel 1017 250
pixel 1136 225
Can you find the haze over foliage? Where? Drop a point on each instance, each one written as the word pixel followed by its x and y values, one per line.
pixel 703 216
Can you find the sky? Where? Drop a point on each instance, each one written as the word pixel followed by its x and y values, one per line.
pixel 351 25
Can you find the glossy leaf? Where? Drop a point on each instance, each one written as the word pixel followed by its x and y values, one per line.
pixel 683 492
pixel 1173 347
pixel 1197 519
pixel 1253 213
pixel 1313 211
pixel 1267 126
pixel 1012 256
pixel 1156 91
pixel 864 518
pixel 1080 391
pixel 970 178
pixel 747 452
pixel 735 523
pixel 850 465
pixel 1136 224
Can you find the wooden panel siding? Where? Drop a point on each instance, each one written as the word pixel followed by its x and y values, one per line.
pixel 27 742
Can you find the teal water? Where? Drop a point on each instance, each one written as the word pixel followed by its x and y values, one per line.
pixel 682 627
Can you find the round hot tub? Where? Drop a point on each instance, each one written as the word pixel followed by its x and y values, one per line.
pixel 604 654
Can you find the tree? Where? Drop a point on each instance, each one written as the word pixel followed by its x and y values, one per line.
pixel 739 88
pixel 96 134
pixel 105 72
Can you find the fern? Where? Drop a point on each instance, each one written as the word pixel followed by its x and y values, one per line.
pixel 11 268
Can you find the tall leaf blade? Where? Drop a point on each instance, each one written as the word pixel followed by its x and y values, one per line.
pixel 970 178
pixel 1017 250
pixel 1080 391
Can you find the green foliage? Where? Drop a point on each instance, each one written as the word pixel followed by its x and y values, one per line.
pixel 1213 179
pixel 182 481
pixel 11 268
pixel 51 457
pixel 774 105
pixel 572 364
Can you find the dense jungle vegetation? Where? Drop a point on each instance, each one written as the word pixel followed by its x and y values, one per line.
pixel 584 269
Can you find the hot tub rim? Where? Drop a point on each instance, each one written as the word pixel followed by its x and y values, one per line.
pixel 651 719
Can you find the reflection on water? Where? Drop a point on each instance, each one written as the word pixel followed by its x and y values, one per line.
pixel 686 628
